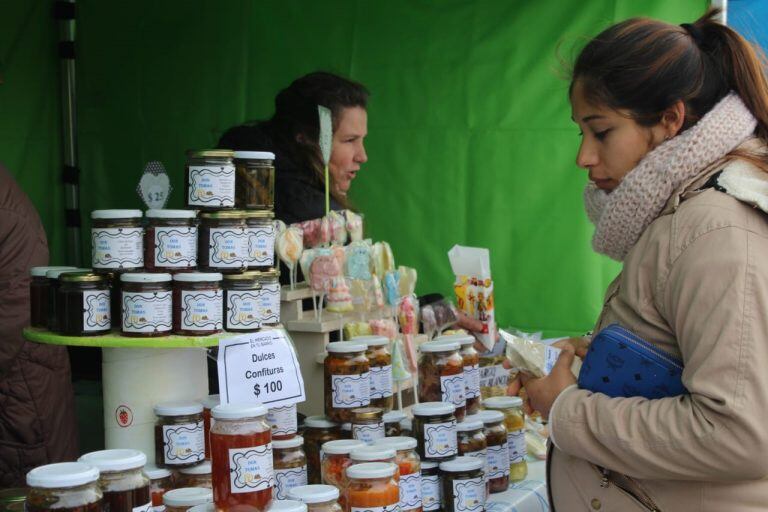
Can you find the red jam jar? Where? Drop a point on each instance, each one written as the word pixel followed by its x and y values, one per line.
pixel 197 303
pixel 179 440
pixel 210 179
pixel 146 304
pixel 260 229
pixel 242 300
pixel 38 295
pixel 117 239
pixel 223 242
pixel 170 241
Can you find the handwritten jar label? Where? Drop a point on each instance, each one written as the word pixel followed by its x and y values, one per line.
pixel 410 491
pixel 176 247
pixel 269 303
pixel 498 461
pixel 117 247
pixel 469 495
pixel 147 312
pixel 430 492
pixel 250 469
pixel 440 439
pixel 183 443
pixel 517 448
pixel 368 433
pixel 201 310
pixel 472 381
pixel 96 310
pixel 349 391
pixel 211 186
pixel 261 246
pixel 283 420
pixel 286 479
pixel 453 390
pixel 243 310
pixel 381 381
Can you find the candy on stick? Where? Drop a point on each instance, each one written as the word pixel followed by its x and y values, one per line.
pixel 341 256
pixel 384 327
pixel 354 225
pixel 391 288
pixel 352 329
pixel 400 372
pixel 408 318
pixel 338 226
pixel 383 259
pixel 361 296
pixel 323 268
pixel 407 284
pixel 359 261
pixel 339 299
pixel 428 321
pixel 377 293
pixel 279 226
pixel 306 261
pixel 290 245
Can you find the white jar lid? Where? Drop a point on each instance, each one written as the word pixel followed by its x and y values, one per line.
pixel 287 506
pixel 62 474
pixel 237 411
pixel 187 497
pixel 116 214
pixel 314 493
pixel 490 416
pixel 461 339
pixel 396 442
pixel 178 408
pixel 155 473
pixel 56 273
pixel 372 453
pixel 439 346
pixel 470 423
pixel 502 402
pixel 342 446
pixel 255 155
pixel 371 470
pixel 394 416
pixel 461 464
pixel 197 277
pixel 293 442
pixel 145 277
pixel 41 271
pixel 171 214
pixel 428 464
pixel 204 507
pixel 343 347
pixel 372 340
pixel 115 460
pixel 210 401
pixel 203 468
pixel 433 409
pixel 319 422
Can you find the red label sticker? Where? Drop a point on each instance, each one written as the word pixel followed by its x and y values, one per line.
pixel 124 416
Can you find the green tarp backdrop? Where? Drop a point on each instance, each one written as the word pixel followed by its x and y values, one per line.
pixel 470 138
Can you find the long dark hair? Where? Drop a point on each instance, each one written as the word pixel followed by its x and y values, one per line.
pixel 645 66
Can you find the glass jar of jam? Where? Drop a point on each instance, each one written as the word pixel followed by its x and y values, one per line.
pixel 241 455
pixel 64 487
pixel 287 506
pixel 470 436
pixel 170 241
pixel 184 498
pixel 115 297
pixel 179 437
pixel 284 421
pixel 318 430
pixel 471 360
pixel 434 427
pixel 290 464
pixel 463 485
pixel 39 286
pixel 372 487
pixel 441 375
pixel 223 243
pixel 255 182
pixel 335 461
pixel 347 380
pixel 147 304
pixel 241 302
pixel 84 303
pixel 117 239
pixel 317 498
pixel 370 453
pixel 514 420
pixel 260 229
pixel 160 482
pixel 197 303
pixel 198 475
pixel 409 466
pixel 497 461
pixel 269 298
pixel 208 403
pixel 54 299
pixel 392 421
pixel 210 179
pixel 431 486
pixel 380 361
pixel 367 424
pixel 124 486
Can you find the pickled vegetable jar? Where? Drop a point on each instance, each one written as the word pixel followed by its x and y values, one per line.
pixel 124 486
pixel 255 181
pixel 318 430
pixel 497 462
pixel 347 380
pixel 514 420
pixel 290 465
pixel 441 375
pixel 434 427
pixel 64 487
pixel 335 460
pixel 380 362
pixel 409 466
pixel 372 487
pixel 463 485
pixel 471 361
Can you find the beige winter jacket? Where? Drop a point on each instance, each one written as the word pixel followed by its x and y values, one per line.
pixel 696 286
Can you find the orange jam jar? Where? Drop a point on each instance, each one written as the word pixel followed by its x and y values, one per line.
pixel 372 488
pixel 335 461
pixel 409 466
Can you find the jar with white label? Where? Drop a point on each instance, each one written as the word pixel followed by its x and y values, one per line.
pixel 147 304
pixel 241 457
pixel 463 485
pixel 184 498
pixel 84 304
pixel 269 302
pixel 372 488
pixel 255 182
pixel 242 297
pixel 65 486
pixel 392 421
pixel 222 244
pixel 470 435
pixel 284 421
pixel 124 485
pixel 39 286
pixel 317 498
pixel 198 475
pixel 514 420
pixel 160 482
pixel 336 460
pixel 210 179
pixel 441 375
pixel 380 361
pixel 260 229
pixel 179 438
pixel 367 424
pixel 497 459
pixel 347 380
pixel 409 466
pixel 471 361
pixel 170 241
pixel 431 487
pixel 290 465
pixel 197 303
pixel 434 427
pixel 117 239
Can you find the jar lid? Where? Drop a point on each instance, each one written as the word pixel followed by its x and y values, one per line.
pixel 171 214
pixel 82 277
pixel 155 473
pixel 210 401
pixel 293 442
pixel 439 346
pixel 396 442
pixel 269 273
pixel 469 424
pixel 116 214
pixel 259 214
pixel 372 453
pixel 394 416
pixel 461 339
pixel 197 277
pixel 368 413
pixel 319 422
pixel 433 409
pixel 489 417
pixel 255 155
pixel 371 470
pixel 108 461
pixel 55 274
pixel 214 153
pixel 41 271
pixel 287 506
pixel 204 468
pixel 237 411
pixel 203 507
pixel 242 276
pixel 226 214
pixel 143 277
pixel 461 464
pixel 187 497
pixel 502 402
pixel 371 340
pixel 342 446
pixel 62 474
pixel 428 464
pixel 178 408
pixel 344 347
pixel 314 493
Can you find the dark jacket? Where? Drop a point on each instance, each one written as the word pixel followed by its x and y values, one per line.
pixel 37 410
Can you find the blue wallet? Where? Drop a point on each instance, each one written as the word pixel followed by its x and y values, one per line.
pixel 621 364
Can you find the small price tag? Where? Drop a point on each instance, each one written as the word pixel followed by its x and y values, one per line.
pixel 154 186
pixel 260 367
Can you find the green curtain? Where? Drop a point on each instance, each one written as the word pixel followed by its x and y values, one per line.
pixel 470 139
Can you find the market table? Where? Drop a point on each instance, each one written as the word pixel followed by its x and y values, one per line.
pixel 530 495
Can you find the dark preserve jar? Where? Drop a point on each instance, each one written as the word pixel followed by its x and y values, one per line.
pixel 170 241
pixel 347 384
pixel 222 244
pixel 434 427
pixel 497 462
pixel 115 297
pixel 197 303
pixel 441 375
pixel 39 285
pixel 54 283
pixel 318 430
pixel 255 181
pixel 64 487
pixel 260 229
pixel 146 305
pixel 463 485
pixel 122 480
pixel 269 297
pixel 210 179
pixel 431 499
pixel 84 301
pixel 179 434
pixel 241 302
pixel 117 239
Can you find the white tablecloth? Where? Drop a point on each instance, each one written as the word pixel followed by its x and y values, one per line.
pixel 530 495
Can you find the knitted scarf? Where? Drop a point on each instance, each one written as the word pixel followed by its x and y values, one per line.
pixel 621 216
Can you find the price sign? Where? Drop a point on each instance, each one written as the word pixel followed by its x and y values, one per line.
pixel 260 367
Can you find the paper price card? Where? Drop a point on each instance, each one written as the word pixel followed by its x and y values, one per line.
pixel 260 367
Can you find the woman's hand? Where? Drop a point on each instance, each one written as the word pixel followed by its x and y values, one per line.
pixel 543 391
pixel 579 344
